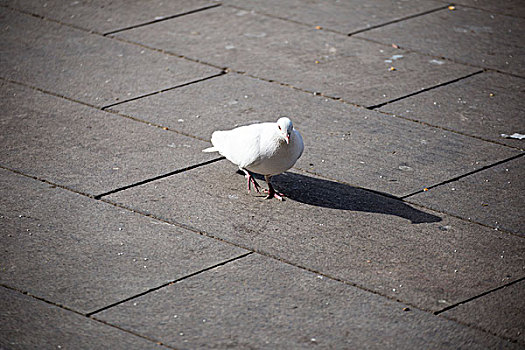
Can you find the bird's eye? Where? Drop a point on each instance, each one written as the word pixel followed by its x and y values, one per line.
pixel 279 127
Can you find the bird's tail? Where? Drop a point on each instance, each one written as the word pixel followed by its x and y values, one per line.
pixel 210 149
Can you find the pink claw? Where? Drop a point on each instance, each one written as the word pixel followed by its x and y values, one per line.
pixel 273 194
pixel 251 180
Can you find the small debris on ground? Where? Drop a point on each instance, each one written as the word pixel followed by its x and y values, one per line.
pixel 514 136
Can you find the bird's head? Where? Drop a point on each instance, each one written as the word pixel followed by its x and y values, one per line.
pixel 285 127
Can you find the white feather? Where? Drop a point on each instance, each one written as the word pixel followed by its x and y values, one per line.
pixel 260 148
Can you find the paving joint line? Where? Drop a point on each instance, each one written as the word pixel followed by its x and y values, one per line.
pixel 352 284
pixel 479 296
pixel 28 13
pixel 464 175
pixel 401 199
pixel 387 195
pixel 108 36
pixel 304 170
pixel 226 70
pixel 496 142
pixel 499 229
pixel 422 53
pixel 155 125
pixel 486 10
pixel 108 109
pixel 118 205
pixel 161 19
pixel 339 99
pixel 47 92
pixel 158 342
pixel 381 43
pixel 314 93
pixel 51 184
pixel 389 297
pixel 177 280
pixel 268 255
pixel 164 90
pixel 63 307
pixel 476 327
pixel 333 30
pixel 222 68
pixel 252 250
pixel 166 52
pixel 158 177
pixel 205 234
pixel 400 19
pixel 373 107
pixel 349 283
pixel 198 61
pixel 379 193
pixel 29 294
pixel 191 167
pixel 284 19
pixel 173 223
pixel 383 194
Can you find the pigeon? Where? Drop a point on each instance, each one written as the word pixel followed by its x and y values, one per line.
pixel 264 148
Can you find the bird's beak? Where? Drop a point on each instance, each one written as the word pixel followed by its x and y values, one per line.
pixel 287 138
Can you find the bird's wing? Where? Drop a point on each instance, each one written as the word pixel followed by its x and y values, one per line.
pixel 241 145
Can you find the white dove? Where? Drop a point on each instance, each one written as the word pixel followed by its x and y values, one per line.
pixel 265 148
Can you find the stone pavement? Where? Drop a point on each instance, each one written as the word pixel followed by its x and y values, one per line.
pixel 403 226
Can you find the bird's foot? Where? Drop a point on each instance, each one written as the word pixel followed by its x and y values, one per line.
pixel 251 180
pixel 273 194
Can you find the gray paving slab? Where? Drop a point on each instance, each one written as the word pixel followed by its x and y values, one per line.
pixel 415 255
pixel 103 16
pixel 84 148
pixel 485 105
pixel 314 60
pixel 86 254
pixel 28 323
pixel 499 312
pixel 465 34
pixel 353 145
pixel 493 197
pixel 86 67
pixel 259 303
pixel 345 17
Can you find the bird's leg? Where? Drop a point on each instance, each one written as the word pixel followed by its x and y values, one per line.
pixel 271 192
pixel 251 180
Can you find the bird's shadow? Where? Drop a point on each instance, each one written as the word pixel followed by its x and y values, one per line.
pixel 330 194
